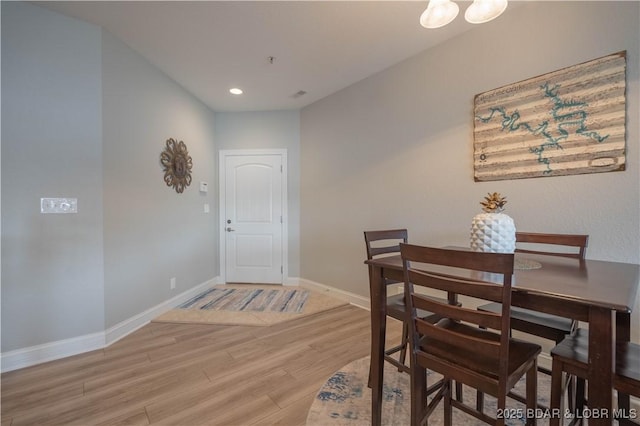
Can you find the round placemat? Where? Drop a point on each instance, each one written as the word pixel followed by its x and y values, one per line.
pixel 526 264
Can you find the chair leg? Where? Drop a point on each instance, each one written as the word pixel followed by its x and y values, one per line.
pixel 532 392
pixel 580 395
pixel 403 352
pixel 572 396
pixel 418 392
pixel 623 402
pixel 479 401
pixel 448 411
pixel 502 405
pixel 556 391
pixel 405 344
pixel 459 391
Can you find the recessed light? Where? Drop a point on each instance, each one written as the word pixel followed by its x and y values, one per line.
pixel 236 91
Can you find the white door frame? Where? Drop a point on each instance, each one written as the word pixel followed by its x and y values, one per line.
pixel 223 154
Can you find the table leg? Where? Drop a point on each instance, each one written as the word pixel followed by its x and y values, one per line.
pixel 601 365
pixel 623 326
pixel 623 334
pixel 378 295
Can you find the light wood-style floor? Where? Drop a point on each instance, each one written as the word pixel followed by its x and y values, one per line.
pixel 189 374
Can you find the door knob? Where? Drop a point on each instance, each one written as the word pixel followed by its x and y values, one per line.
pixel 230 229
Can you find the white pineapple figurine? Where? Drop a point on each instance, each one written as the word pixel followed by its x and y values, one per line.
pixel 493 231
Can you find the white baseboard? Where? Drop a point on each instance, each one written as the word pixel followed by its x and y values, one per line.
pixel 352 298
pixel 291 282
pixel 130 325
pixel 26 357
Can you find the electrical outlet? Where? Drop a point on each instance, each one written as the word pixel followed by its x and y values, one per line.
pixel 172 283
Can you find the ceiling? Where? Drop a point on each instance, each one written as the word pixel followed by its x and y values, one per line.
pixel 318 47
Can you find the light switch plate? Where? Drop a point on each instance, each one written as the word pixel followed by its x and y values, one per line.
pixel 58 205
pixel 204 187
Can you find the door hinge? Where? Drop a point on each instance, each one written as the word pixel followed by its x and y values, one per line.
pixel 281 269
pixel 281 219
pixel 281 168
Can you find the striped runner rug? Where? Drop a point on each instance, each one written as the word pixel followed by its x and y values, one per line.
pixel 249 300
pixel 250 304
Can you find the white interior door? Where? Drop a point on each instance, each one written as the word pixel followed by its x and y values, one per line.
pixel 253 218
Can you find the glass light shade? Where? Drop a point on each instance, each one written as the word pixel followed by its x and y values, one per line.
pixel 439 13
pixel 482 11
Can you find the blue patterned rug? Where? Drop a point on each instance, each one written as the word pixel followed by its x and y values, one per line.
pixel 345 400
pixel 249 300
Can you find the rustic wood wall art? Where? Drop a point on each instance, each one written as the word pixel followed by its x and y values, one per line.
pixel 176 164
pixel 570 121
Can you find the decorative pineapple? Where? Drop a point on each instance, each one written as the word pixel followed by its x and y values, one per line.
pixel 493 231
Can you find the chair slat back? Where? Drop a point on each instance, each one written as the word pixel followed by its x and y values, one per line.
pixel 460 272
pixel 537 243
pixel 486 347
pixel 486 319
pixel 389 241
pixel 457 285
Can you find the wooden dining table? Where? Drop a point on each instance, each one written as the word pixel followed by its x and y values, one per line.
pixel 601 293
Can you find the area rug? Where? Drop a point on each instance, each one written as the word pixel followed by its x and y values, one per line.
pixel 256 305
pixel 249 300
pixel 345 400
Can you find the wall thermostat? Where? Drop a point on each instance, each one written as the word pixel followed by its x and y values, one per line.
pixel 204 187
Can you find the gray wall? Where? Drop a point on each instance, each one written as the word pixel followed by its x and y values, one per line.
pixel 52 264
pixel 85 116
pixel 269 130
pixel 395 150
pixel 152 233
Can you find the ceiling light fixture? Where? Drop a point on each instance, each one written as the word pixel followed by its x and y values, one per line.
pixel 440 12
pixel 235 91
pixel 482 11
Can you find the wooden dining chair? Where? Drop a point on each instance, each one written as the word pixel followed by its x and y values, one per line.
pixel 546 326
pixel 550 327
pixel 571 356
pixel 384 243
pixel 466 345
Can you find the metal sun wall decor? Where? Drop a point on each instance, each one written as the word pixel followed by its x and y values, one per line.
pixel 176 164
pixel 570 121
